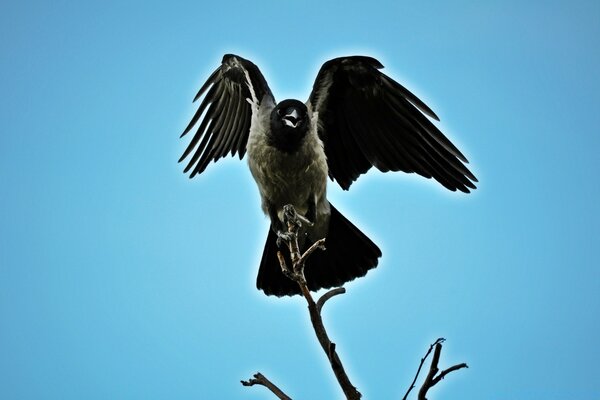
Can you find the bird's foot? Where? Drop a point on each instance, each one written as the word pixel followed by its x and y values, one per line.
pixel 291 217
pixel 283 238
pixel 305 220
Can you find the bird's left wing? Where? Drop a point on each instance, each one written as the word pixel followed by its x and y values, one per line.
pixel 235 90
pixel 367 119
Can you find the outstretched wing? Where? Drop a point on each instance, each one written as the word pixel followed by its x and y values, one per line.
pixel 367 119
pixel 233 92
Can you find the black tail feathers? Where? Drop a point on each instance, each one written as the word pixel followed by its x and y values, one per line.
pixel 349 255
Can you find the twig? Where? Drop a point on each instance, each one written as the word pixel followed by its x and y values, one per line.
pixel 327 296
pixel 433 369
pixel 260 379
pixel 447 371
pixel 431 380
pixel 412 385
pixel 318 245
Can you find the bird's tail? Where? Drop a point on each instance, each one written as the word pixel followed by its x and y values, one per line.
pixel 349 255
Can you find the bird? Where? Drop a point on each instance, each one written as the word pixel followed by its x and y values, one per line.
pixel 356 117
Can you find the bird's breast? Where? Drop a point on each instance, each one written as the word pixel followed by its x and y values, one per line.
pixel 289 178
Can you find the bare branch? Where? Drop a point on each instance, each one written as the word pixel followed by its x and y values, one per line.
pixel 447 371
pixel 433 369
pixel 295 272
pixel 318 245
pixel 293 223
pixel 260 379
pixel 412 385
pixel 431 380
pixel 327 296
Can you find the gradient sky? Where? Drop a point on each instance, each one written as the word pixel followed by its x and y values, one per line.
pixel 120 278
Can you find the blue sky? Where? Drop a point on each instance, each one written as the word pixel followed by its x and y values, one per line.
pixel 121 278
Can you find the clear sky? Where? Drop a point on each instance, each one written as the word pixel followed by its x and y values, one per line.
pixel 120 278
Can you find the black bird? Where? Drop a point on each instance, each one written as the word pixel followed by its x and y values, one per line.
pixel 356 117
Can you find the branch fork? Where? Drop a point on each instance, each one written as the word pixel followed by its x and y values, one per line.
pixel 432 377
pixel 295 272
pixel 293 221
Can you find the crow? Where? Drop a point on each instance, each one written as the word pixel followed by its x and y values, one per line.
pixel 355 118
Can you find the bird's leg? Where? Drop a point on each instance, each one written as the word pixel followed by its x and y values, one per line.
pixel 311 213
pixel 277 226
pixel 293 221
pixel 290 216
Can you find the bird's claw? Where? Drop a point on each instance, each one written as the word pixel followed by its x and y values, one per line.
pixel 283 238
pixel 290 215
pixel 302 219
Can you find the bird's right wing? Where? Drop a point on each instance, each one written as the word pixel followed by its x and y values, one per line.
pixel 367 119
pixel 235 90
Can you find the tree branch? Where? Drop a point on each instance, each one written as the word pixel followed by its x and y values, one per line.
pixel 447 371
pixel 260 379
pixel 327 296
pixel 412 385
pixel 431 379
pixel 297 274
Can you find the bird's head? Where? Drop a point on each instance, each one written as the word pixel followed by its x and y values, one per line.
pixel 289 125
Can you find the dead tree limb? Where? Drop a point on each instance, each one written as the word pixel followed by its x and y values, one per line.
pixel 327 296
pixel 431 379
pixel 260 379
pixel 412 385
pixel 297 274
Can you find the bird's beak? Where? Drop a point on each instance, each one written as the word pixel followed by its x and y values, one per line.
pixel 292 119
pixel 293 114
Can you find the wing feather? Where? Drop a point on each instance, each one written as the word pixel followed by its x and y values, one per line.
pixel 240 142
pixel 367 119
pixel 213 93
pixel 230 94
